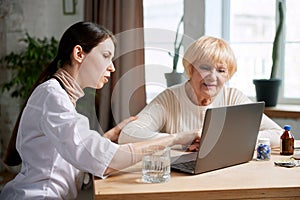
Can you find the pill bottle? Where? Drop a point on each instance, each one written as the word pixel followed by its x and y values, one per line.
pixel 263 149
pixel 287 141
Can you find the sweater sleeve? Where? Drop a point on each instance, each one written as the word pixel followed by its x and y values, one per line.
pixel 269 129
pixel 148 124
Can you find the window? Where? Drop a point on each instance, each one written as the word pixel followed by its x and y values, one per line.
pixel 251 31
pixel 292 49
pixel 161 18
pixel 248 25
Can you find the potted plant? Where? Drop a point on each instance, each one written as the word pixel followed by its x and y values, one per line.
pixel 267 89
pixel 175 77
pixel 26 65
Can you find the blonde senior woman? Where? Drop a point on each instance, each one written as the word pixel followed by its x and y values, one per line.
pixel 209 63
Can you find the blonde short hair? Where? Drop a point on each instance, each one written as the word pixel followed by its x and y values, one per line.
pixel 209 49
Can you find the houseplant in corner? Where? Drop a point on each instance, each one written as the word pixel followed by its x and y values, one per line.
pixel 267 89
pixel 26 65
pixel 175 77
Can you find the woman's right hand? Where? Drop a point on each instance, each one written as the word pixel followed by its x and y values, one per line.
pixel 113 134
pixel 194 146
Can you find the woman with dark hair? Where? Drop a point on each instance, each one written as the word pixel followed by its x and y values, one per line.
pixel 53 141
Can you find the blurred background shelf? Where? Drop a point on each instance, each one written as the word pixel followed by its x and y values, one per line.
pixel 283 111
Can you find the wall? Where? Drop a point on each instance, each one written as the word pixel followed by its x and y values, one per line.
pixel 194 19
pixel 40 18
pixel 52 21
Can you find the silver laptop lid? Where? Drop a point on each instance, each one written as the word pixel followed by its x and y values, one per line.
pixel 229 136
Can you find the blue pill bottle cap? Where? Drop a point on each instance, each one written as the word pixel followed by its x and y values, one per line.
pixel 287 127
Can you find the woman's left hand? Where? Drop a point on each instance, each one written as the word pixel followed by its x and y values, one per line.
pixel 113 134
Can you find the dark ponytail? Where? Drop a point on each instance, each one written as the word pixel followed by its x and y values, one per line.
pixel 87 35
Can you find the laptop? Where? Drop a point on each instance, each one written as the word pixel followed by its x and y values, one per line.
pixel 228 138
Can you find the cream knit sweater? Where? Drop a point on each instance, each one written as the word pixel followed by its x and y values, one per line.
pixel 172 112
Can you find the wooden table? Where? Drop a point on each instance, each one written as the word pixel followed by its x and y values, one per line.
pixel 252 180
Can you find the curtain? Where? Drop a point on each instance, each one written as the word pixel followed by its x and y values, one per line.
pixel 124 95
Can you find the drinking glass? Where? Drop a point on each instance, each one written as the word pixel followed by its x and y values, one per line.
pixel 156 166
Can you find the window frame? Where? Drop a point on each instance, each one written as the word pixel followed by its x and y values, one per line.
pixel 226 35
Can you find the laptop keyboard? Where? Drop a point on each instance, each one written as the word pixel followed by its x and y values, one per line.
pixel 190 166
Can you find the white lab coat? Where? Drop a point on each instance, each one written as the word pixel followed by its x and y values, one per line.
pixel 56 145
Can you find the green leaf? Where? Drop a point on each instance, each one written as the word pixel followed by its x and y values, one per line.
pixel 27 64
